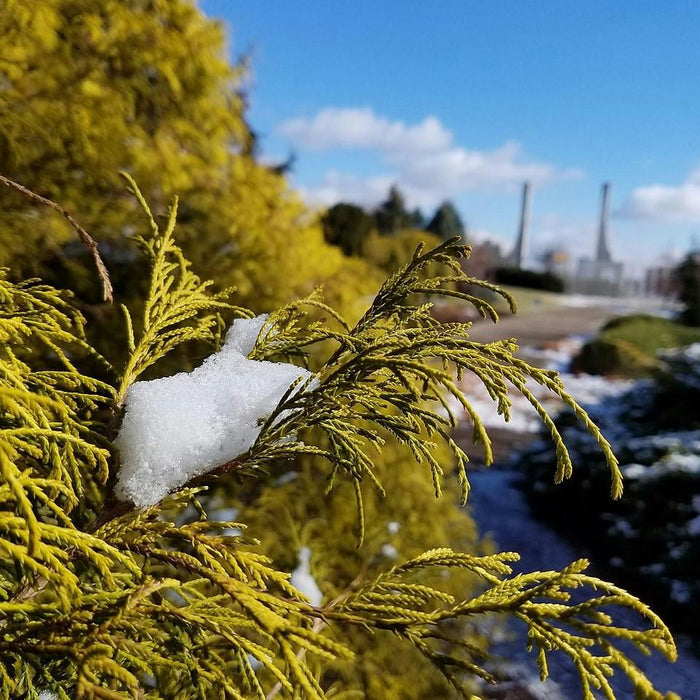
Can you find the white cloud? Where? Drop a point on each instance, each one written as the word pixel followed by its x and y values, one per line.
pixel 350 188
pixel 362 128
pixel 422 159
pixel 668 204
pixel 553 231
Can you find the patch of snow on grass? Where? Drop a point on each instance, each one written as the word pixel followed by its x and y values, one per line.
pixel 679 551
pixel 694 526
pixel 680 440
pixel 674 463
pixel 586 389
pixel 689 352
pixel 557 357
pixel 590 389
pixel 521 682
pixel 680 591
pixel 696 503
pixel 624 528
pixel 182 426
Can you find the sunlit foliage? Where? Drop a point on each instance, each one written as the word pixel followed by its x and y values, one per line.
pixel 102 600
pixel 88 89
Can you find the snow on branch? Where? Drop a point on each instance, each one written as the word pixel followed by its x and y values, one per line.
pixel 179 427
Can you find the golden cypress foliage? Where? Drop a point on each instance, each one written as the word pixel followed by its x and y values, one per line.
pixel 91 88
pixel 101 600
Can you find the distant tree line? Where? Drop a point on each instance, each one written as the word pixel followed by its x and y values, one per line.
pixel 388 234
pixel 350 227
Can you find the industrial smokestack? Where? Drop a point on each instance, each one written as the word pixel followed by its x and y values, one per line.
pixel 603 250
pixel 520 250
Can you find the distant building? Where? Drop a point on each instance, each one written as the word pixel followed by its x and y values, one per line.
pixel 557 261
pixel 518 258
pixel 600 275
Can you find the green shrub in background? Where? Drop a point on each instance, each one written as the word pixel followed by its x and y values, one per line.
pixel 530 279
pixel 627 346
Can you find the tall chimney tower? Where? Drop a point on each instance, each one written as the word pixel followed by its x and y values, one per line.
pixel 520 250
pixel 602 250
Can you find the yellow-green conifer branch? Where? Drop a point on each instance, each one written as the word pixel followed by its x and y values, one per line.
pixel 103 600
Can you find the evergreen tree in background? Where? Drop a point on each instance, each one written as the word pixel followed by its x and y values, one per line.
pixel 688 278
pixel 418 219
pixel 391 214
pixel 89 89
pixel 446 223
pixel 347 226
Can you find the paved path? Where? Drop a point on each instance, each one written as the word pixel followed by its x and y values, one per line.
pixel 544 328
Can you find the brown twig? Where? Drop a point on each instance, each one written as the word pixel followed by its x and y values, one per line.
pixel 115 508
pixel 85 237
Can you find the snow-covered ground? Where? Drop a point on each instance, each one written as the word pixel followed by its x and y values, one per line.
pixel 501 510
pixel 585 388
pixel 622 305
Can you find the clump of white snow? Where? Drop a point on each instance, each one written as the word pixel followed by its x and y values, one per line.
pixel 182 426
pixel 674 463
pixel 303 581
pixel 680 591
pixel 389 551
pixel 47 695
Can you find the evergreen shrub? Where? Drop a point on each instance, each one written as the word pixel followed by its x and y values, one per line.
pixel 99 599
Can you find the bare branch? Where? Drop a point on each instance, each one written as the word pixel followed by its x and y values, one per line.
pixel 85 237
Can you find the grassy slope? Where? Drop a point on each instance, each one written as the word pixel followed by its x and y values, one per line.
pixel 627 346
pixel 651 333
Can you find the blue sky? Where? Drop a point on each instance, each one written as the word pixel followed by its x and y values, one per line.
pixel 463 100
